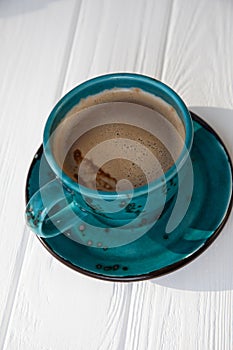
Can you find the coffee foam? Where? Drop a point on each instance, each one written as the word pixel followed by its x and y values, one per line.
pixel 130 115
pixel 133 95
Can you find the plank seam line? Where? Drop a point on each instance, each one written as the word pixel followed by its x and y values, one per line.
pixel 124 332
pixel 20 256
pixel 69 49
pixel 167 36
pixel 166 40
pixel 21 252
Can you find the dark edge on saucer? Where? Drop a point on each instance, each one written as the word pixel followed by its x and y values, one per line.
pixel 162 271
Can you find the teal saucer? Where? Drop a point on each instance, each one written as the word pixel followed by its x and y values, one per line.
pixel 156 253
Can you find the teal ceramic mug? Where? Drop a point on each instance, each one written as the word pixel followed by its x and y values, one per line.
pixel 124 216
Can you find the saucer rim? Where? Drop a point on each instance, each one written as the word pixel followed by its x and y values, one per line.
pixel 164 270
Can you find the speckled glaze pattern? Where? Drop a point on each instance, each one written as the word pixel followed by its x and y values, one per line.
pixel 155 253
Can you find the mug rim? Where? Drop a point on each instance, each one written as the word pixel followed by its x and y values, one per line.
pixel 132 77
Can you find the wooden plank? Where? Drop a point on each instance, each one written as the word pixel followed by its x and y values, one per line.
pixel 197 62
pixel 32 59
pixel 57 308
pixel 192 308
pixel 54 307
pixel 119 36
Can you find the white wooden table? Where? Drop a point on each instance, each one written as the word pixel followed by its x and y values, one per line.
pixel 46 48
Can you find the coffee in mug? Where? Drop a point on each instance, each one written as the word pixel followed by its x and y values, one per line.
pixel 118 139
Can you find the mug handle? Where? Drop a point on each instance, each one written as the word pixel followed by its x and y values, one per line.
pixel 44 201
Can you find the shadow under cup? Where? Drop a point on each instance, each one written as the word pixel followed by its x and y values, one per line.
pixel 134 210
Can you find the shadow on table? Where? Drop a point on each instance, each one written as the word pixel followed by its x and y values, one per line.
pixel 10 8
pixel 213 270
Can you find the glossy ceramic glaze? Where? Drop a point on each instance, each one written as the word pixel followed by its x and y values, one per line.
pixel 156 252
pixel 106 209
